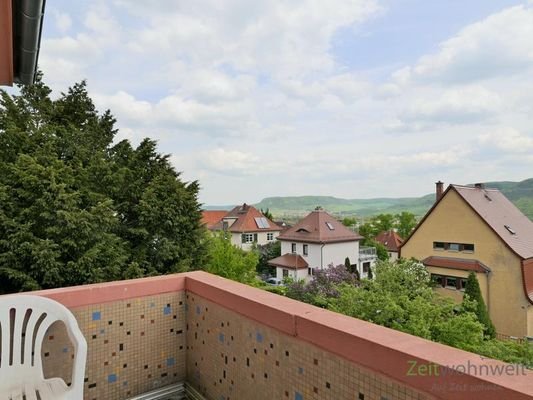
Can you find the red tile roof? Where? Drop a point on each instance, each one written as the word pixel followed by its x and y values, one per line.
pixel 314 229
pixel 212 217
pixel 390 239
pixel 292 261
pixel 456 263
pixel 245 217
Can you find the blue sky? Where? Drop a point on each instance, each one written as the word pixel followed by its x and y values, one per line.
pixel 350 98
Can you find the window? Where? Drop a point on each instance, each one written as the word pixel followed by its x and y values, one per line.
pixel 330 226
pixel 306 250
pixel 249 237
pixel 451 282
pixel 438 245
pixel 270 236
pixel 462 284
pixel 225 225
pixel 437 279
pixel 310 271
pixel 285 273
pixel 463 247
pixel 366 267
pixel 293 248
pixel 453 246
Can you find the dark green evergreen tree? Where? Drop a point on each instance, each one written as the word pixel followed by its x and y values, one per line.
pixel 473 292
pixel 76 208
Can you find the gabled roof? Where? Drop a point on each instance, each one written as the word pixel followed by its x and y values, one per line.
pixel 212 217
pixel 292 261
pixel 390 239
pixel 456 263
pixel 319 227
pixel 247 219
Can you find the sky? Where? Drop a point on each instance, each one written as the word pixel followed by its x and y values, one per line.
pixel 347 98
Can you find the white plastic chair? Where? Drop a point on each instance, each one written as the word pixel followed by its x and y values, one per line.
pixel 21 373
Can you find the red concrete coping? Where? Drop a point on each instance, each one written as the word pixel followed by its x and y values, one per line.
pixel 98 293
pixel 389 352
pixel 385 351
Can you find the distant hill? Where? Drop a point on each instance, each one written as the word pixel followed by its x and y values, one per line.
pixel 520 193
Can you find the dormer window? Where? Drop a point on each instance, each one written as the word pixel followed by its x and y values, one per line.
pixel 511 230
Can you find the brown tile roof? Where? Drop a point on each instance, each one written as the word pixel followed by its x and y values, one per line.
pixel 315 229
pixel 293 261
pixel 390 239
pixel 456 263
pixel 507 221
pixel 212 217
pixel 245 216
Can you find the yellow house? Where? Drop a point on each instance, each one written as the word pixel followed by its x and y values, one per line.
pixel 479 229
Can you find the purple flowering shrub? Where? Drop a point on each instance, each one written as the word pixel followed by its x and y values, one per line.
pixel 323 285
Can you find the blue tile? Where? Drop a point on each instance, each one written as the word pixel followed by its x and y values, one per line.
pixel 97 316
pixel 170 361
pixel 111 378
pixel 65 349
pixel 300 370
pixel 167 310
pixel 298 396
pixel 102 331
pixel 198 311
pixel 125 383
pixel 259 337
pixel 152 305
pixel 221 337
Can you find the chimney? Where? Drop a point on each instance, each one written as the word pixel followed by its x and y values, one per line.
pixel 479 185
pixel 438 190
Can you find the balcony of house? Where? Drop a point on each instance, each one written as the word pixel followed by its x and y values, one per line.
pixel 367 253
pixel 159 338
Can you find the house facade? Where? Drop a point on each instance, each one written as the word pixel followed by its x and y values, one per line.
pixel 318 240
pixel 479 229
pixel 248 226
pixel 392 242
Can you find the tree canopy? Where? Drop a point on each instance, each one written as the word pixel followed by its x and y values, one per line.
pixel 76 207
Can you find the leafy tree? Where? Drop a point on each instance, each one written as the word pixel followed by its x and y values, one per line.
pixel 383 222
pixel 401 297
pixel 267 252
pixel 229 261
pixel 267 214
pixel 75 208
pixel 405 223
pixel 473 292
pixel 349 222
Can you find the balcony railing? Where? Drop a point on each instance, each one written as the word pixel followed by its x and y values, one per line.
pixel 231 341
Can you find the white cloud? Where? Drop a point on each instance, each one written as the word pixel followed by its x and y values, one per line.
pixel 508 140
pixel 498 45
pixel 63 21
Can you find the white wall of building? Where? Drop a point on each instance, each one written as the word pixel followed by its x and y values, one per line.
pixel 262 239
pixel 320 256
pixel 296 274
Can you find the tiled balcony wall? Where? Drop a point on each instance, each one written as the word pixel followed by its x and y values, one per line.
pixel 234 342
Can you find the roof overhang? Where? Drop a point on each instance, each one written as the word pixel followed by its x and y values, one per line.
pixel 21 24
pixel 456 263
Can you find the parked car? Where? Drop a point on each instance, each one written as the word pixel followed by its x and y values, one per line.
pixel 274 281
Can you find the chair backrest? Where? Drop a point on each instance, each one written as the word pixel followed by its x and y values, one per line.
pixel 24 320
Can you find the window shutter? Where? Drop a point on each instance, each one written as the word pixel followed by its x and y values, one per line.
pixel 243 238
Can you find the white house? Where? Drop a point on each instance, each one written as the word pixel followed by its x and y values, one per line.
pixel 247 226
pixel 316 242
